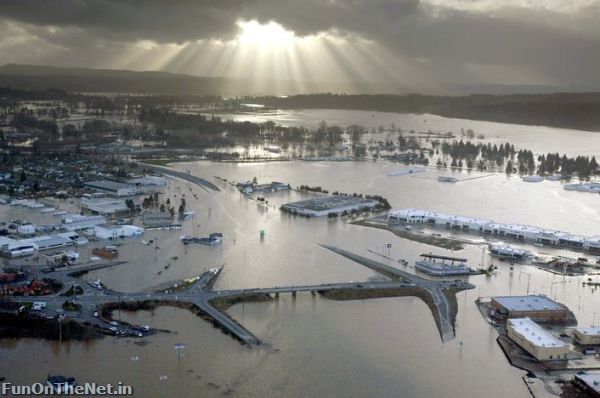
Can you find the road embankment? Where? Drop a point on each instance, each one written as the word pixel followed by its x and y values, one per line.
pixel 438 241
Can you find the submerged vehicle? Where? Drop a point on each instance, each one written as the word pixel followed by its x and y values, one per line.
pixel 213 239
pixel 60 384
pixel 97 284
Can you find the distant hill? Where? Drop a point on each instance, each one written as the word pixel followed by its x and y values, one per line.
pixel 37 77
pixel 32 77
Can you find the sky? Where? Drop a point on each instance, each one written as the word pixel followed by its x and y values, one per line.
pixel 414 44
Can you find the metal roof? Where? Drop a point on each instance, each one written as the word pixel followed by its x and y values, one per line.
pixel 527 303
pixel 534 333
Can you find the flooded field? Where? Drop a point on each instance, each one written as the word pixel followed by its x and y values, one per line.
pixel 540 139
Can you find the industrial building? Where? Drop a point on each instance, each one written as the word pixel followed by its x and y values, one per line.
pixel 117 231
pixel 75 222
pixel 47 242
pixel 112 187
pixel 325 205
pixel 588 383
pixel 15 248
pixel 149 183
pixel 541 344
pixel 26 229
pixel 153 219
pixel 105 206
pixel 518 232
pixel 250 187
pixel 587 336
pixel 538 307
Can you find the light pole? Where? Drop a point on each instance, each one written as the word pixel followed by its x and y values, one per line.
pixel 162 379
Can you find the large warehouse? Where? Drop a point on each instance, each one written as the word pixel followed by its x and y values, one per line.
pixel 587 336
pixel 541 344
pixel 538 307
pixel 112 187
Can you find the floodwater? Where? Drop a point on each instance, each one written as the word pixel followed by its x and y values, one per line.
pixel 314 346
pixel 540 139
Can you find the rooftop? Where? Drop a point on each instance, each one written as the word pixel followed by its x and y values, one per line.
pixel 592 331
pixel 107 184
pixel 331 202
pixel 413 213
pixel 591 379
pixel 527 303
pixel 534 333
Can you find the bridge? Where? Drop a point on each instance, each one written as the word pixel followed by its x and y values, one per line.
pixel 200 295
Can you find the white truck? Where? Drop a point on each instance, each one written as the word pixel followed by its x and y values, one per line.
pixel 38 306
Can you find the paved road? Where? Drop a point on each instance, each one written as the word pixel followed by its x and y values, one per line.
pixel 188 177
pixel 435 289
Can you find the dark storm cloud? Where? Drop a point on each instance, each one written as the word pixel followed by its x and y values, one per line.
pixel 556 45
pixel 183 20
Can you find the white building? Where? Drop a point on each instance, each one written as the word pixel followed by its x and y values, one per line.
pixel 105 206
pixel 587 336
pixel 589 382
pixel 149 183
pixel 26 229
pixel 519 232
pixel 16 248
pixel 75 222
pixel 46 242
pixel 106 231
pixel 541 344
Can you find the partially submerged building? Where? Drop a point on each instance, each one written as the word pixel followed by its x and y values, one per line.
pixel 75 222
pixel 442 265
pixel 112 187
pixel 249 187
pixel 107 231
pixel 589 383
pixel 148 184
pixel 157 219
pixel 324 205
pixel 538 307
pixel 538 342
pixel 104 206
pixel 518 232
pixel 587 336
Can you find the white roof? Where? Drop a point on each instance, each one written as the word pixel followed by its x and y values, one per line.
pixel 527 303
pixel 591 331
pixel 534 333
pixel 510 227
pixel 591 379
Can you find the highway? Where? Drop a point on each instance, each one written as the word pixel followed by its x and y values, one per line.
pixel 443 311
pixel 200 294
pixel 184 176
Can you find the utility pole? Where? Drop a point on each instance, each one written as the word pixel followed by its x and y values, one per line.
pixel 528 279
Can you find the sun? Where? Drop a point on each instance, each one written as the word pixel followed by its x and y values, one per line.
pixel 271 34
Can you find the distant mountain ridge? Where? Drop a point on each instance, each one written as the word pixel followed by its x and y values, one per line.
pixel 77 79
pixel 39 77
